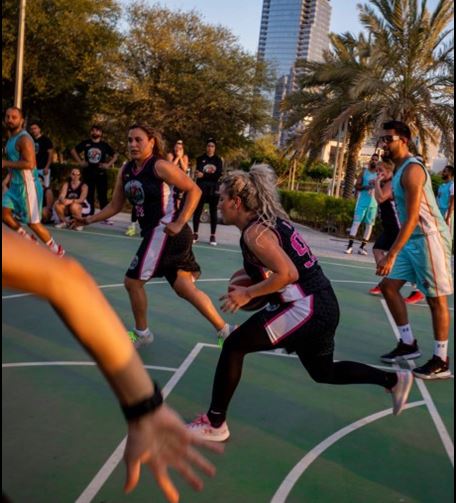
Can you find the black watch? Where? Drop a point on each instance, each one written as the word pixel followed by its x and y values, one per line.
pixel 145 406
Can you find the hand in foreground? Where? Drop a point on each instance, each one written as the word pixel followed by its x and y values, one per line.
pixel 77 221
pixel 385 265
pixel 161 441
pixel 172 228
pixel 236 297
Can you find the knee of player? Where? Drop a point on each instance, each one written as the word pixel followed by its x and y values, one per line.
pixel 131 284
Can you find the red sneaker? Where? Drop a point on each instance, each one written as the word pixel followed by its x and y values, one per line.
pixel 375 291
pixel 414 297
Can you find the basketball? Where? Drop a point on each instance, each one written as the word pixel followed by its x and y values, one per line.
pixel 241 278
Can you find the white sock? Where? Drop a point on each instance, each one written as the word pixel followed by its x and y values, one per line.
pixel 142 333
pixel 52 245
pixel 441 349
pixel 406 334
pixel 226 330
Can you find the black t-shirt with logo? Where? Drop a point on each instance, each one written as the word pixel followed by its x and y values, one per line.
pixel 95 152
pixel 42 145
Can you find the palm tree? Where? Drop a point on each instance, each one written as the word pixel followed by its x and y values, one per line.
pixel 402 71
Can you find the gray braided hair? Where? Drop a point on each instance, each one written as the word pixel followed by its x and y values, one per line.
pixel 257 190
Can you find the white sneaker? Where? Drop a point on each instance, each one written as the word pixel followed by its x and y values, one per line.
pixel 401 391
pixel 202 428
pixel 362 251
pixel 79 228
pixel 61 225
pixel 349 251
pixel 140 340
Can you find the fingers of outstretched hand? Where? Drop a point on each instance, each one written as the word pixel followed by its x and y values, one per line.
pixel 187 472
pixel 133 473
pixel 200 462
pixel 165 483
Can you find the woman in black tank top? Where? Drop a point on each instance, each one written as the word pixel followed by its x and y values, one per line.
pixel 305 313
pixel 72 200
pixel 166 249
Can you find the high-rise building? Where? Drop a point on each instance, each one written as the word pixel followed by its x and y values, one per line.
pixel 292 30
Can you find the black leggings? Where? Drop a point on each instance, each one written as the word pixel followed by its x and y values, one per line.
pixel 98 182
pixel 212 198
pixel 321 368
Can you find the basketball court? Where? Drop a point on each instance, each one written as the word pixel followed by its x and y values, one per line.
pixel 292 440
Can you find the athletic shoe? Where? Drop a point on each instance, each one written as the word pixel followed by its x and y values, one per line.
pixel 402 352
pixel 131 231
pixel 213 241
pixel 375 291
pixel 414 297
pixel 202 428
pixel 195 238
pixel 107 222
pixel 435 368
pixel 33 239
pixel 79 228
pixel 61 225
pixel 60 252
pixel 349 250
pixel 140 340
pixel 401 391
pixel 223 333
pixel 362 251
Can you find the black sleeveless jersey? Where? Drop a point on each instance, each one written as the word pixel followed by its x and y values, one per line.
pixel 389 217
pixel 311 277
pixel 151 197
pixel 74 193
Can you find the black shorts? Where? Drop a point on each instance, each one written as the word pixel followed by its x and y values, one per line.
pixel 160 255
pixel 385 241
pixel 308 325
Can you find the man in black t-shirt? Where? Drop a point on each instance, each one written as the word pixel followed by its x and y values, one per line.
pixel 98 156
pixel 209 169
pixel 44 151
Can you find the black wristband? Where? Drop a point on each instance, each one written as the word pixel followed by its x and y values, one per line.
pixel 145 406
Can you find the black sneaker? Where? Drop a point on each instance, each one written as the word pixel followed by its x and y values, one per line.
pixel 435 368
pixel 402 352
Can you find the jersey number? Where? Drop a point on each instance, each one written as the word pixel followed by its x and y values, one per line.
pixel 302 249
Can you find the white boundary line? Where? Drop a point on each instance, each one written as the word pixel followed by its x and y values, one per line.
pixel 71 364
pixel 290 480
pixel 105 472
pixel 438 422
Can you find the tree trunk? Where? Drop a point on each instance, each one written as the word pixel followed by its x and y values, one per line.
pixel 357 137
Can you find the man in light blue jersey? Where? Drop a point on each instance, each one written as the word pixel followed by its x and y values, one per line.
pixel 445 196
pixel 23 199
pixel 421 254
pixel 366 206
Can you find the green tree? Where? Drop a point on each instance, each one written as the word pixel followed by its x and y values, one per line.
pixel 190 79
pixel 402 71
pixel 71 57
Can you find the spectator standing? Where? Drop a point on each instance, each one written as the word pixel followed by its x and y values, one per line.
pixel 445 196
pixel 209 169
pixel 44 152
pixel 98 157
pixel 180 159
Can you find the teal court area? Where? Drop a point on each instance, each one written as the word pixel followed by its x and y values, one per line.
pixel 292 440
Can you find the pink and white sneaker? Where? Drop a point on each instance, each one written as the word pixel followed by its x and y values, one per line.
pixel 202 428
pixel 60 252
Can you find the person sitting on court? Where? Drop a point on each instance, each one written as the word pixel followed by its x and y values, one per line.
pixel 156 436
pixel 303 313
pixel 72 201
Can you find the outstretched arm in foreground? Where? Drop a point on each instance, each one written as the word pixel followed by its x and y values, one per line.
pixel 159 438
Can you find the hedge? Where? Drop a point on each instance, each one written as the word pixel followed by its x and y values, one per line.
pixel 322 212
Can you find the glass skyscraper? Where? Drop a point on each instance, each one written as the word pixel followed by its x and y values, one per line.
pixel 292 30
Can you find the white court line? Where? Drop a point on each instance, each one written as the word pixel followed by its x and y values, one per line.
pixel 105 472
pixel 425 305
pixel 70 364
pixel 287 485
pixel 438 422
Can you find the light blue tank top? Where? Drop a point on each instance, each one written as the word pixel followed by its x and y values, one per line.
pixel 444 194
pixel 13 155
pixel 430 218
pixel 367 197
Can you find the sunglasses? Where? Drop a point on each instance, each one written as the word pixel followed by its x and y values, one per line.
pixel 388 138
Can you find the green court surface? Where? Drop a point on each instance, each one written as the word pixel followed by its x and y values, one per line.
pixel 291 439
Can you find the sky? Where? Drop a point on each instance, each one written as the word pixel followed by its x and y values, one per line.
pixel 243 17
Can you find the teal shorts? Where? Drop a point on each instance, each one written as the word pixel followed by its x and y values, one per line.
pixel 365 214
pixel 25 201
pixel 426 261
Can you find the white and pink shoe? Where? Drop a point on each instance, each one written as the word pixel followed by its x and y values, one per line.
pixel 202 427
